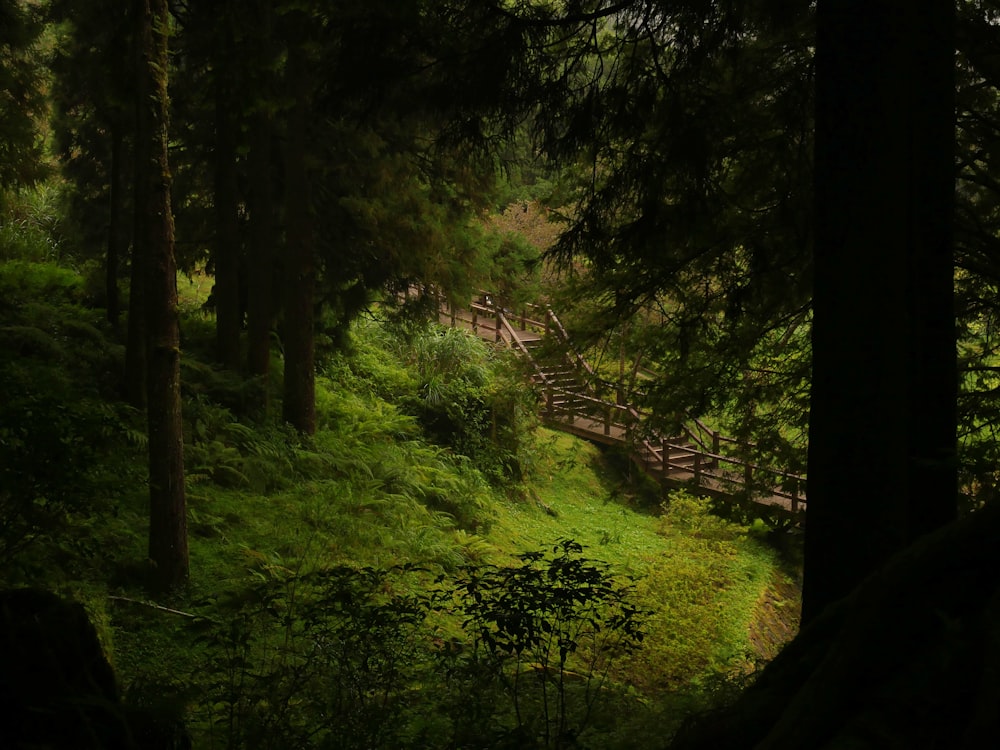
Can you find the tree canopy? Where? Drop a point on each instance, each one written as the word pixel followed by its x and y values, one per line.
pixel 785 214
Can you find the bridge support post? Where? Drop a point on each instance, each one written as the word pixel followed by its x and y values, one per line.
pixel 498 336
pixel 607 420
pixel 664 469
pixel 475 321
pixel 697 469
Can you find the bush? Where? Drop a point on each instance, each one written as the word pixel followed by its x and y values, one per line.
pixel 63 448
pixel 544 636
pixel 29 225
pixel 327 659
pixel 471 399
pixel 348 658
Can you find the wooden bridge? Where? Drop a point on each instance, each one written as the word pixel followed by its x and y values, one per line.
pixel 699 459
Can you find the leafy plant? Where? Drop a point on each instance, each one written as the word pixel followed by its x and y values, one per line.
pixel 322 660
pixel 470 400
pixel 546 632
pixel 64 450
pixel 29 224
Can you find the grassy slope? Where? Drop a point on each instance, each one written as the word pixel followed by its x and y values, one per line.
pixel 369 490
pixel 701 577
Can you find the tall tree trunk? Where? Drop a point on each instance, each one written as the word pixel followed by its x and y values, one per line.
pixel 228 312
pixel 882 425
pixel 135 343
pixel 168 546
pixel 115 233
pixel 299 406
pixel 260 265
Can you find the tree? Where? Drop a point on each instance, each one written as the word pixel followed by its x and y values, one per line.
pixel 168 546
pixel 93 95
pixel 976 240
pixel 702 215
pixel 299 404
pixel 386 160
pixel 228 310
pixel 692 211
pixel 21 100
pixel 882 450
pixel 211 104
pixel 261 288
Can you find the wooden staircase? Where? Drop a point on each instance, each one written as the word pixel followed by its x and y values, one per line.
pixel 575 401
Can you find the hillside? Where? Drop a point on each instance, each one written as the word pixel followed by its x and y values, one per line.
pixel 428 475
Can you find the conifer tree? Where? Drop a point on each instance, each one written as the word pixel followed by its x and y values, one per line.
pixel 93 97
pixel 882 450
pixel 168 545
pixel 22 104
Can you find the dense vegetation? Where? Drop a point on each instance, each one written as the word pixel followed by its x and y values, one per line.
pixel 777 215
pixel 360 583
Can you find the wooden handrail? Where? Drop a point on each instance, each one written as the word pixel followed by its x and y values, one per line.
pixel 699 442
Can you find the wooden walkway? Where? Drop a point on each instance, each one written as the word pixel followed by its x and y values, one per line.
pixel 699 459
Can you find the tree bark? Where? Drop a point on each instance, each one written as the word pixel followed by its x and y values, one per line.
pixel 260 266
pixel 228 311
pixel 168 546
pixel 299 406
pixel 115 234
pixel 908 660
pixel 135 343
pixel 882 467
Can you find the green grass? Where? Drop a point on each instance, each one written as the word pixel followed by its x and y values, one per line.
pixel 369 489
pixel 701 576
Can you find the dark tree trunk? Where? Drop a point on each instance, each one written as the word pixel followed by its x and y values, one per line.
pixel 168 547
pixel 135 343
pixel 882 425
pixel 115 234
pixel 228 311
pixel 908 660
pixel 299 407
pixel 260 266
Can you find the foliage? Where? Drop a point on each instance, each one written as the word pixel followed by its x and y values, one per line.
pixel 22 104
pixel 546 632
pixel 710 566
pixel 340 657
pixel 326 659
pixel 267 507
pixel 690 225
pixel 977 280
pixel 92 115
pixel 65 450
pixel 470 398
pixel 30 221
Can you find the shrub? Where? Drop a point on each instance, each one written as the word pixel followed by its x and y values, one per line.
pixel 327 659
pixel 544 636
pixel 64 451
pixel 470 400
pixel 29 224
pixel 348 658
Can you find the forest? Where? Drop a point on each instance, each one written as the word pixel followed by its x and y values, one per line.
pixel 254 495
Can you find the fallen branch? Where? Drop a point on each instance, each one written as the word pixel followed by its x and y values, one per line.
pixel 151 605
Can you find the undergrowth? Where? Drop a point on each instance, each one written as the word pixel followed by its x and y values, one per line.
pixel 427 474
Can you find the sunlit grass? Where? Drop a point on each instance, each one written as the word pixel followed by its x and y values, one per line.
pixel 371 489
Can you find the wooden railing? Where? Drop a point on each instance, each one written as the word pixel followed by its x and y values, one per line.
pixel 698 455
